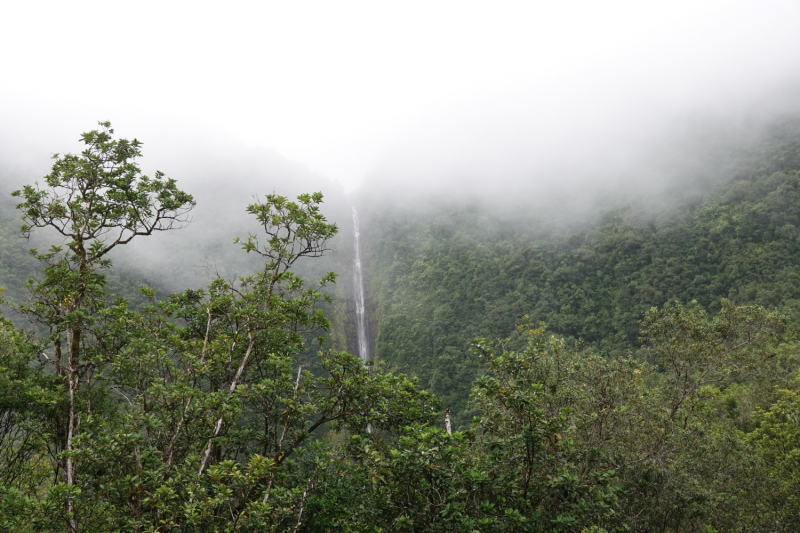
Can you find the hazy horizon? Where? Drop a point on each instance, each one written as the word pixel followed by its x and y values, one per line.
pixel 362 92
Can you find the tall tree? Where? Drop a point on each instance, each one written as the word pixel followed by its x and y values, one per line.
pixel 96 200
pixel 219 427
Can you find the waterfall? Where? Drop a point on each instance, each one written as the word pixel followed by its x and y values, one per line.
pixel 358 282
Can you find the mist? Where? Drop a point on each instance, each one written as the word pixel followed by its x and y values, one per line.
pixel 399 103
pixel 580 151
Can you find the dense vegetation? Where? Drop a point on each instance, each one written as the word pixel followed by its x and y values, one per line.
pixel 204 410
pixel 444 275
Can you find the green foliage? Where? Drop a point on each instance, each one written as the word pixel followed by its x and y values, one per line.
pixel 443 275
pixel 101 197
pixel 96 201
pixel 680 469
pixel 568 440
pixel 205 411
pixel 547 419
pixel 695 351
pixel 193 412
pixel 27 400
pixel 776 440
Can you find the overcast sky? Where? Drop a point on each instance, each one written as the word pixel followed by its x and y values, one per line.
pixel 340 85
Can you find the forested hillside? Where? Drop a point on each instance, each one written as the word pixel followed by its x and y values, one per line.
pixel 441 278
pixel 226 405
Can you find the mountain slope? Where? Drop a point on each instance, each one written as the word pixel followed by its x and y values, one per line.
pixel 441 278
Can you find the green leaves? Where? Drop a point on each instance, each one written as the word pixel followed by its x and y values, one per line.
pixel 695 351
pixel 101 198
pixel 196 412
pixel 548 420
pixel 201 417
pixel 293 230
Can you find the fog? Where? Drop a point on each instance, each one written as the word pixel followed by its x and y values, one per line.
pixel 400 100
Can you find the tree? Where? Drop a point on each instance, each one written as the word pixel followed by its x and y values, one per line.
pixel 574 439
pixel 674 468
pixel 96 201
pixel 548 424
pixel 777 444
pixel 215 425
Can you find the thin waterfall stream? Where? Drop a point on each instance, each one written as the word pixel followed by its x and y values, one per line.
pixel 358 282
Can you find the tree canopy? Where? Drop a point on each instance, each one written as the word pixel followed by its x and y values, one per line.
pixel 224 408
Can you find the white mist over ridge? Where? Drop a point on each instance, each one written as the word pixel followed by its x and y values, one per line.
pixel 351 88
pixel 579 153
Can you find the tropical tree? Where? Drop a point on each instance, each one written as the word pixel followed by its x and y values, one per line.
pixel 215 425
pixel 96 200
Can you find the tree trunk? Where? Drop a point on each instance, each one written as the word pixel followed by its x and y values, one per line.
pixel 71 425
